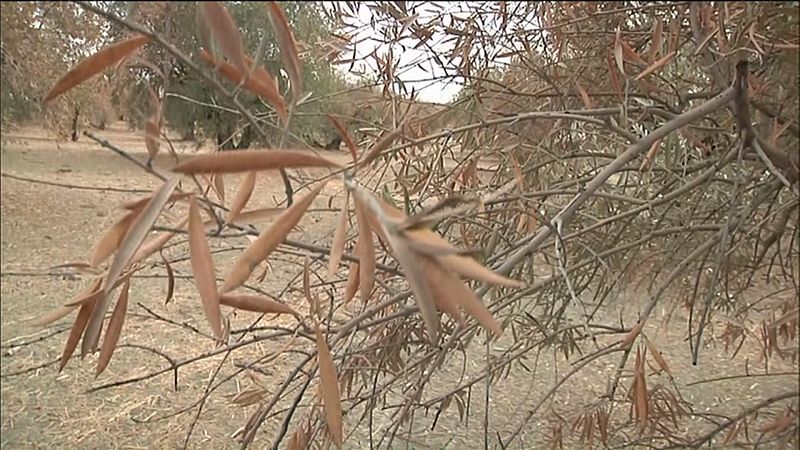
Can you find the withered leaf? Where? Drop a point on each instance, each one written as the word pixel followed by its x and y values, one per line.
pixel 234 161
pixel 219 186
pixel 75 334
pixel 225 32
pixel 255 303
pixel 133 239
pixel 260 83
pixel 170 279
pixel 257 215
pixel 288 47
pixel 656 66
pixel 329 382
pixel 203 268
pixel 95 64
pixel 339 236
pixel 662 363
pixel 154 244
pixel 458 293
pixel 366 253
pixel 246 187
pixel 114 329
pixel 382 144
pixel 112 238
pixel 268 241
pixel 348 140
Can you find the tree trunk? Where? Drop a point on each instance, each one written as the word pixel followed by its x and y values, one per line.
pixel 224 138
pixel 247 138
pixel 75 125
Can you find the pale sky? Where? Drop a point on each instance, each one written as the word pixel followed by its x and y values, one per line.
pixel 408 68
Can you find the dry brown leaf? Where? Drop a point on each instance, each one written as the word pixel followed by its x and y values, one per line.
pixel 133 239
pixel 612 75
pixel 462 265
pixel 170 279
pixel 656 42
pixel 351 286
pixel 631 54
pixel 382 144
pixel 587 101
pixel 89 295
pixel 651 154
pixel 348 140
pixel 260 83
pixel 255 303
pixel 662 363
pixel 257 215
pixel 248 397
pixel 219 186
pixel 156 243
pixel 339 237
pixel 413 270
pixel 111 240
pixel 95 64
pixel 268 241
pixel 456 292
pixel 627 342
pixel 234 161
pixel 442 298
pixel 151 138
pixel 312 301
pixel 288 47
pixel 75 334
pixel 655 66
pixel 63 310
pixel 139 204
pixel 225 32
pixel 640 394
pixel 203 268
pixel 202 30
pixel 246 187
pixel 618 52
pixel 114 329
pixel 366 254
pixel 329 383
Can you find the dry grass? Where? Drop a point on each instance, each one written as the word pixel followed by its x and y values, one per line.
pixel 44 225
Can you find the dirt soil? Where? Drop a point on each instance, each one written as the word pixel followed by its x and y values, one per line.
pixel 44 225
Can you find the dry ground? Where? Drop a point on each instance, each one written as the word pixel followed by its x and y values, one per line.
pixel 44 225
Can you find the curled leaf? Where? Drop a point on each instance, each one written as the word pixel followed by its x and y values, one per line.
pixel 95 64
